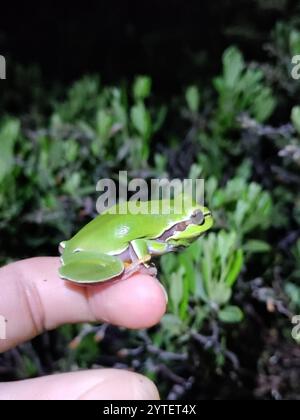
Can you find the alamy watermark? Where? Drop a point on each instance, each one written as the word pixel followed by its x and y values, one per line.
pixel 295 73
pixel 2 328
pixel 158 195
pixel 296 329
pixel 2 68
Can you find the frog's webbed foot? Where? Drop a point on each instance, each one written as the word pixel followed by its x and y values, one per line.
pixel 140 266
pixel 151 270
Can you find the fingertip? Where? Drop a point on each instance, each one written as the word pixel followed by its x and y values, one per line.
pixel 104 384
pixel 121 385
pixel 137 302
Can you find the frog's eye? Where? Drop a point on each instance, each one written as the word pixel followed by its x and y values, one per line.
pixel 197 218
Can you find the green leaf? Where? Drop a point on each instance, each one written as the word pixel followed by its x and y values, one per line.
pixel 169 263
pixel 233 63
pixel 172 324
pixel 71 150
pixel 231 315
pixel 8 136
pixel 235 268
pixel 104 123
pixel 72 184
pixel 189 275
pixel 293 293
pixel 160 162
pixel 160 118
pixel 220 293
pixel 296 118
pixel 294 42
pixel 141 120
pixel 192 97
pixel 142 87
pixel 176 289
pixel 264 105
pixel 256 246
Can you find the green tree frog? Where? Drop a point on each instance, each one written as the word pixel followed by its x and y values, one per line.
pixel 114 245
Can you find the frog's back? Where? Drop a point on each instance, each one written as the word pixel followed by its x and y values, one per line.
pixel 112 232
pixel 108 232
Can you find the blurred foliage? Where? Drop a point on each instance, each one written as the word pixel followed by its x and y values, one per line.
pixel 241 133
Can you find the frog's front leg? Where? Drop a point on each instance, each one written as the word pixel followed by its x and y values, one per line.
pixel 144 248
pixel 141 252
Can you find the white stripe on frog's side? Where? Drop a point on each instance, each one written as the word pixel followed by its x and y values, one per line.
pixel 61 247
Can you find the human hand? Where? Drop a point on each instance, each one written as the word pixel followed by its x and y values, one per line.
pixel 33 299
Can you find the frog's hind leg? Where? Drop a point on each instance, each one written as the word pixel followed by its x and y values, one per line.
pixel 90 267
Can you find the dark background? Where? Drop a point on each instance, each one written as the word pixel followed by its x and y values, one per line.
pixel 119 39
